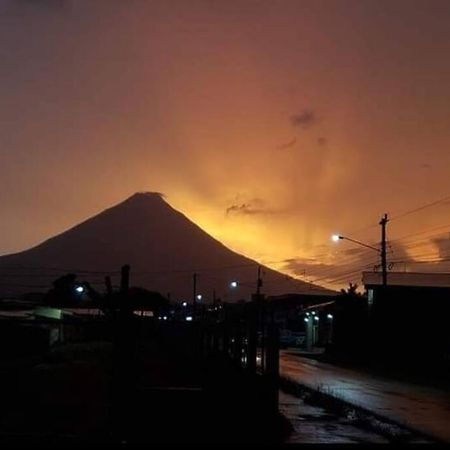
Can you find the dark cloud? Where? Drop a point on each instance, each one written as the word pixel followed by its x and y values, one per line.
pixel 288 144
pixel 305 266
pixel 247 209
pixel 305 119
pixel 252 207
pixel 443 245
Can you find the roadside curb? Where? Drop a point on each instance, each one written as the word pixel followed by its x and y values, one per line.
pixel 328 400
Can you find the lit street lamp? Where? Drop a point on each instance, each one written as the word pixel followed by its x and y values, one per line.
pixel 330 328
pixel 338 237
pixel 381 251
pixel 79 289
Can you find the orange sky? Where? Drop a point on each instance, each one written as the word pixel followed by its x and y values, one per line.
pixel 301 118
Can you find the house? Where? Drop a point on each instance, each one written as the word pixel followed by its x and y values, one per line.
pixel 409 316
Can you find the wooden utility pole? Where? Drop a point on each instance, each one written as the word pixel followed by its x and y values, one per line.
pixel 123 354
pixel 194 293
pixel 108 285
pixel 273 365
pixel 383 222
pixel 258 283
pixel 125 279
pixel 260 319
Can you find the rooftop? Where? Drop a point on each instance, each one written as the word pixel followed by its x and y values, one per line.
pixel 417 279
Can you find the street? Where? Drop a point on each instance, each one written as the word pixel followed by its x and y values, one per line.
pixel 422 408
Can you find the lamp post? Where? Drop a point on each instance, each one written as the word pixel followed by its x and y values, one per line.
pixel 337 237
pixel 330 328
pixel 381 251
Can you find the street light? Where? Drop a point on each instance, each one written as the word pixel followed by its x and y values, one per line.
pixel 234 284
pixel 199 297
pixel 338 237
pixel 381 251
pixel 330 327
pixel 79 290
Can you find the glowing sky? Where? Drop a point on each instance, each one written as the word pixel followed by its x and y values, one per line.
pixel 270 123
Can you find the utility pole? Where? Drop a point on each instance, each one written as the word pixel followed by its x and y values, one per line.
pixel 194 292
pixel 108 285
pixel 259 324
pixel 125 279
pixel 258 283
pixel 383 222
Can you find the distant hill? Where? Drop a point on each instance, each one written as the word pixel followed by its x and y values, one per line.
pixel 163 247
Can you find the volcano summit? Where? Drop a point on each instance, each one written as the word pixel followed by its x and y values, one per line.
pixel 162 246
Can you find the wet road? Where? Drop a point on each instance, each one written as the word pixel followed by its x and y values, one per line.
pixel 314 425
pixel 425 409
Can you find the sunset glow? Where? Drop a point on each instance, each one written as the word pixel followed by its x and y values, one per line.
pixel 269 124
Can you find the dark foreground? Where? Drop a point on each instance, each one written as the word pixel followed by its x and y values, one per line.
pixel 166 394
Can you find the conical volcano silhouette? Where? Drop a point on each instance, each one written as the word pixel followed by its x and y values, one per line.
pixel 162 246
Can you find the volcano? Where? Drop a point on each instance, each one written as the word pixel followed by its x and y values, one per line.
pixel 163 248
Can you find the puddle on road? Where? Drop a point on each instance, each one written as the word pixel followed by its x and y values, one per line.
pixel 315 425
pixel 312 425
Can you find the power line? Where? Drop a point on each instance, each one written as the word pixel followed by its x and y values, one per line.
pixel 420 208
pixel 406 237
pixel 345 274
pixel 330 271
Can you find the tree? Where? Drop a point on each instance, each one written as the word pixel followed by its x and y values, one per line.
pixel 352 290
pixel 63 291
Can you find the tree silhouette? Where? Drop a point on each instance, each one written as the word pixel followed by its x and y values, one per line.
pixel 63 291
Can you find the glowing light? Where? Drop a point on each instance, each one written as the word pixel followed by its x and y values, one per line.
pixel 316 318
pixel 329 316
pixel 234 284
pixel 189 319
pixel 199 297
pixel 335 238
pixel 184 304
pixel 306 319
pixel 79 289
pixel 165 318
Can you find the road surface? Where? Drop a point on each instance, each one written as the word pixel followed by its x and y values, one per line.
pixel 422 408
